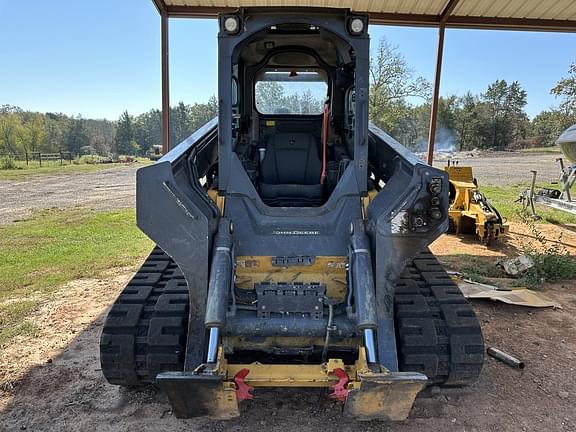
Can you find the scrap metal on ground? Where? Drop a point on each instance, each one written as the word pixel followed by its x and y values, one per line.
pixel 506 358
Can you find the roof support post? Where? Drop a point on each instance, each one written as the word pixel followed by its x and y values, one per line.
pixel 448 9
pixel 436 94
pixel 165 82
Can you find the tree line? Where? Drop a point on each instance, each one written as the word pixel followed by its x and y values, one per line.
pixel 399 104
pixel 28 132
pixel 495 119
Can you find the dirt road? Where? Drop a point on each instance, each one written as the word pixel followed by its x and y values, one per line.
pixel 102 190
pixel 53 382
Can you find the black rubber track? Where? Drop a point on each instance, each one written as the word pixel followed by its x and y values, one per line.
pixel 145 331
pixel 437 330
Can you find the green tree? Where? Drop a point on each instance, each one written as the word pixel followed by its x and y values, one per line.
pixel 566 88
pixel 124 142
pixel 548 125
pixel 56 128
pixel 10 133
pixel 180 123
pixel 148 129
pixel 467 122
pixel 391 83
pixel 201 113
pixel 77 136
pixel 101 134
pixel 505 121
pixel 34 134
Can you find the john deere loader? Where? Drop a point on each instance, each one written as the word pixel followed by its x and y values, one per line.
pixel 291 240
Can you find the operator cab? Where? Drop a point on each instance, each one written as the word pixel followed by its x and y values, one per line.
pixel 293 105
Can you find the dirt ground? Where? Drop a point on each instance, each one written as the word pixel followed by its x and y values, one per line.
pixel 102 190
pixel 53 382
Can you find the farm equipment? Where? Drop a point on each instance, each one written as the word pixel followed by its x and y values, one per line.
pixel 292 240
pixel 559 199
pixel 154 152
pixel 470 211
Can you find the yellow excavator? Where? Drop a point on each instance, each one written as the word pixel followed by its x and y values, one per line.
pixel 470 211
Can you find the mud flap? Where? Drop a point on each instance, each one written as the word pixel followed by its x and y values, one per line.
pixel 199 395
pixel 384 396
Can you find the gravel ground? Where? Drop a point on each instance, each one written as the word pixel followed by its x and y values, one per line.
pixel 510 168
pixel 102 190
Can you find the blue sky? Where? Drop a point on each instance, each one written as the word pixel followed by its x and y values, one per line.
pixel 100 57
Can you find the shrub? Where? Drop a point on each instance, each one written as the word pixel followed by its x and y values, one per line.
pixel 7 163
pixel 552 261
pixel 89 159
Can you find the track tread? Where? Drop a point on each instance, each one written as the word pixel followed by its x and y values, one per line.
pixel 437 329
pixel 146 328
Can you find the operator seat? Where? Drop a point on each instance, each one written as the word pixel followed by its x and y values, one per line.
pixel 290 172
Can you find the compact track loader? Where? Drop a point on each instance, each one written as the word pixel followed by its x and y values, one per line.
pixel 292 240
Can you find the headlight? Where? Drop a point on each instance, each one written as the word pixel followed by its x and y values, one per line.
pixel 356 25
pixel 231 24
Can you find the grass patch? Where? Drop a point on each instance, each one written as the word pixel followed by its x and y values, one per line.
pixel 57 246
pixel 21 171
pixel 549 149
pixel 476 268
pixel 504 197
pixel 11 316
pixel 26 328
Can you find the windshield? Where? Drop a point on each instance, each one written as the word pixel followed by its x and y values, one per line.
pixel 290 91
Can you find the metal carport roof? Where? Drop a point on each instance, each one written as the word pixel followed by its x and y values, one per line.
pixel 529 15
pixel 554 15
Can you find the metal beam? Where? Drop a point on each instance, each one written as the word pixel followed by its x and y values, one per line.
pixel 404 19
pixel 160 6
pixel 448 9
pixel 472 22
pixel 165 83
pixel 525 24
pixel 197 12
pixel 435 95
pixel 444 17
